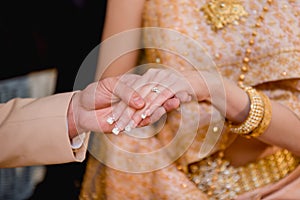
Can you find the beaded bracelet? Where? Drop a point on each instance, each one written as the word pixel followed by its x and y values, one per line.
pixel 264 124
pixel 255 116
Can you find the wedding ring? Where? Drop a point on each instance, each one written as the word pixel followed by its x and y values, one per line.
pixel 143 116
pixel 156 90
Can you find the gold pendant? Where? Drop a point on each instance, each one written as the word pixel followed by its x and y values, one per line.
pixel 220 13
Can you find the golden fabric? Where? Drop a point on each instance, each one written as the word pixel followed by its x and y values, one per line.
pixel 219 180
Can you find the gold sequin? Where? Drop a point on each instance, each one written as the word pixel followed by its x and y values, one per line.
pixel 219 180
pixel 220 13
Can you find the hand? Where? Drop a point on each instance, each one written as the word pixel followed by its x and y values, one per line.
pixel 90 107
pixel 172 88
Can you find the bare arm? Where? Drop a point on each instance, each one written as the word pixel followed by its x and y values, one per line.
pixel 284 129
pixel 120 16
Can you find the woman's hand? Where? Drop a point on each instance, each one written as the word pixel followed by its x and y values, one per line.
pixel 159 88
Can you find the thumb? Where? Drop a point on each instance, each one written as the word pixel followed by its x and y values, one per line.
pixel 128 95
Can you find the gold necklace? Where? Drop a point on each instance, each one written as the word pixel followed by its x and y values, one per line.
pixel 220 13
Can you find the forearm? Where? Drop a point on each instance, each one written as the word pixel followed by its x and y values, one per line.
pixel 233 102
pixel 284 128
pixel 118 53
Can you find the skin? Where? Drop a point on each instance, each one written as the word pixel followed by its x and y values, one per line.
pixel 90 107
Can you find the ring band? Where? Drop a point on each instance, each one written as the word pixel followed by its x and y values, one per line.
pixel 156 90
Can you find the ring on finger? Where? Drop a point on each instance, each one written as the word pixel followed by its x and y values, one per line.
pixel 155 89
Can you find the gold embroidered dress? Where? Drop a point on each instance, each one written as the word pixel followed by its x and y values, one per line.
pixel 274 69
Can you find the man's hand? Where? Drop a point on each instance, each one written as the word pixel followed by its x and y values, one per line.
pixel 90 107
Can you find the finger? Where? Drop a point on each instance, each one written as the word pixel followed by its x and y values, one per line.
pixel 125 122
pixel 171 104
pixel 183 96
pixel 123 114
pixel 145 122
pixel 129 79
pixel 129 95
pixel 117 110
pixel 103 126
pixel 133 117
pixel 157 114
pixel 95 121
pixel 154 101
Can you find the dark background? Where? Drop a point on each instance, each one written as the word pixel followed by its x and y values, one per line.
pixel 41 34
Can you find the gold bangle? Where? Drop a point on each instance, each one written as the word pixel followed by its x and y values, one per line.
pixel 255 116
pixel 266 118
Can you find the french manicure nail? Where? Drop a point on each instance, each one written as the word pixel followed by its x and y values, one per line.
pixel 143 116
pixel 116 131
pixel 110 120
pixel 128 128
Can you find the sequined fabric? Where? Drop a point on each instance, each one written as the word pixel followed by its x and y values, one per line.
pixel 275 69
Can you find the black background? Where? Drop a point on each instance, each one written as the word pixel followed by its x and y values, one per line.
pixel 41 34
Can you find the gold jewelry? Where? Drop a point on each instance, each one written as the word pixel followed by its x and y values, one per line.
pixel 255 116
pixel 219 13
pixel 245 68
pixel 266 115
pixel 219 180
pixel 264 124
pixel 155 90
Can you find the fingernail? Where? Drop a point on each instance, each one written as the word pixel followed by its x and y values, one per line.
pixel 143 116
pixel 128 128
pixel 138 101
pixel 116 131
pixel 110 120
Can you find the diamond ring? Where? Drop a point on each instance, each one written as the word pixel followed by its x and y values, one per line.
pixel 156 90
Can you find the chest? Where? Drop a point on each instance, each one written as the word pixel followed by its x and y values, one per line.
pixel 278 30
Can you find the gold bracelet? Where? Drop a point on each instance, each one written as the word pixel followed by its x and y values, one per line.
pixel 262 127
pixel 255 116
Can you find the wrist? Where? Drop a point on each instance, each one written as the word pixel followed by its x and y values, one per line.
pixel 199 86
pixel 237 103
pixel 72 129
pixel 231 101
